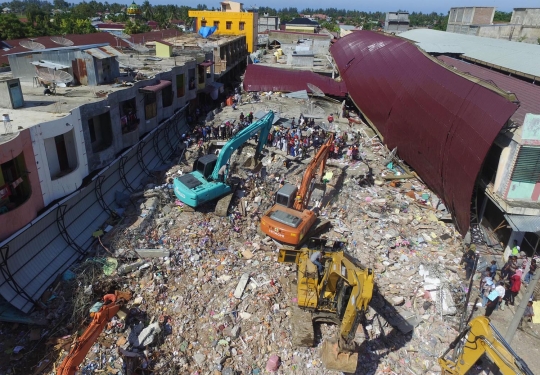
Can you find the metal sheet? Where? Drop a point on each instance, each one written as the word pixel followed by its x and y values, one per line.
pixel 264 78
pixel 50 64
pixel 523 223
pixel 513 56
pixel 157 87
pixel 104 52
pixel 442 124
pixel 526 93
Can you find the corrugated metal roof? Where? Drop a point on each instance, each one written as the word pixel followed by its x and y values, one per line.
pixel 104 52
pixel 523 223
pixel 520 57
pixel 265 78
pixel 86 39
pixel 527 93
pixel 442 124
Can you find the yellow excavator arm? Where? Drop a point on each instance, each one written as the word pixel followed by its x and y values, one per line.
pixel 480 338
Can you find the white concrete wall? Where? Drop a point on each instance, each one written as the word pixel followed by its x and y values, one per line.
pixel 42 135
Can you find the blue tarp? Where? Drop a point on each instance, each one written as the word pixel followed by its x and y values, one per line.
pixel 205 32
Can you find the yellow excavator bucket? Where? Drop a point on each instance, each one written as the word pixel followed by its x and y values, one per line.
pixel 335 359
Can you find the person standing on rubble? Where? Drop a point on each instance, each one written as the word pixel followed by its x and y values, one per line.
pixel 532 270
pixel 501 291
pixel 470 257
pixel 527 315
pixel 222 171
pixel 493 300
pixel 515 281
pixel 515 249
pixel 487 288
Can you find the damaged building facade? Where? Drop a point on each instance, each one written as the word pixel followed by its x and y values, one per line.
pixel 117 133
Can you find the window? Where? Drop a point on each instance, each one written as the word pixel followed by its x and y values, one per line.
pixel 203 23
pixel 128 116
pixel 229 25
pixel 191 79
pixel 100 131
pixel 14 184
pixel 61 154
pixel 180 86
pixel 242 26
pixel 201 73
pixel 167 96
pixel 150 107
pixel 216 25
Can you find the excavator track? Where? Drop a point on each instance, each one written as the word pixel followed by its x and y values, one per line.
pixel 222 206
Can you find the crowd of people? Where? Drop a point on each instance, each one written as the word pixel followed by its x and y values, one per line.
pixel 499 288
pixel 300 137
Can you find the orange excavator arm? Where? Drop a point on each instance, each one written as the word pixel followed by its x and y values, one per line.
pixel 82 346
pixel 304 192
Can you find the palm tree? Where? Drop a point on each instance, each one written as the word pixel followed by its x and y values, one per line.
pixel 146 8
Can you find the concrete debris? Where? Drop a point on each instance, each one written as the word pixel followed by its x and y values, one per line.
pixel 239 291
pixel 153 253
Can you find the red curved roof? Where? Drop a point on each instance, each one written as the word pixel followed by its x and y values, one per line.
pixel 265 78
pixel 442 124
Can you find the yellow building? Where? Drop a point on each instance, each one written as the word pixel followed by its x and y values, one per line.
pixel 231 20
pixel 163 49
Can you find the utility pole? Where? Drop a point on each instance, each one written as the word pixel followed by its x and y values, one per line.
pixel 511 331
pixel 462 321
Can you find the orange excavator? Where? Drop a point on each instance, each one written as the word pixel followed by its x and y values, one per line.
pixel 111 305
pixel 289 220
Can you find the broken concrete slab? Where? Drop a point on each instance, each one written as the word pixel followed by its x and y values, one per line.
pixel 153 253
pixel 239 291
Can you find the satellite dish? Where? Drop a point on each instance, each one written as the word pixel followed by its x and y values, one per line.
pixel 30 44
pixel 54 76
pixel 315 90
pixel 62 41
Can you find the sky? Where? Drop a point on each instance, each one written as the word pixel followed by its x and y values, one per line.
pixel 425 6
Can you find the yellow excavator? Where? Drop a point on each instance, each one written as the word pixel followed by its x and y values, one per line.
pixel 481 340
pixel 339 295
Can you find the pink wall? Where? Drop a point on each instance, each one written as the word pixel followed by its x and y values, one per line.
pixel 16 219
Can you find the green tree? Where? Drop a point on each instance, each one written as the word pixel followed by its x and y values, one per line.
pixel 11 27
pixel 502 16
pixel 136 28
pixel 147 10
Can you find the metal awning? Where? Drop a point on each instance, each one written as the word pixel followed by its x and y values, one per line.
pixel 206 63
pixel 104 52
pixel 260 114
pixel 524 223
pixel 155 88
pixel 49 64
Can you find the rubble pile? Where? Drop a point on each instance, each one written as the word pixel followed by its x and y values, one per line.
pixel 209 296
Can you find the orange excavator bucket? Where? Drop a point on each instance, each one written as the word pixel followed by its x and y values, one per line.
pixel 82 346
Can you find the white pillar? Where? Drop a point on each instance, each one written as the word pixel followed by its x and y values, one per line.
pixel 518 236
